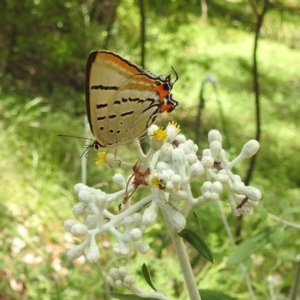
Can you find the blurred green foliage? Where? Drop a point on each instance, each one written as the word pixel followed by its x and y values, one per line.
pixel 44 47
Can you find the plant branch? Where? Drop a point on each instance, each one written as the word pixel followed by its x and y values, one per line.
pixel 183 259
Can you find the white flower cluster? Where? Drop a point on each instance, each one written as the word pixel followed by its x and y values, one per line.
pixel 167 169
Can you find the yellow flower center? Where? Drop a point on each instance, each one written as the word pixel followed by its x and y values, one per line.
pixel 160 134
pixel 154 181
pixel 101 157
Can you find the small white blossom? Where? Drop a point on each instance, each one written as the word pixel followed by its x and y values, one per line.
pixel 79 209
pixel 180 138
pixel 75 252
pixel 207 162
pixel 150 215
pixel 68 224
pixel 196 170
pixel 250 149
pixel 178 156
pixel 119 180
pixel 135 234
pixel 79 230
pixel 142 247
pixel 123 271
pixel 93 253
pixel 129 280
pixel 214 135
pixel 252 193
pixel 113 273
pixel 215 148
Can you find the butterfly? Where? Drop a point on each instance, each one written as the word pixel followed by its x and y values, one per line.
pixel 122 99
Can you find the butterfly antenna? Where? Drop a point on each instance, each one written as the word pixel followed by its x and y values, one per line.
pixel 177 77
pixel 74 136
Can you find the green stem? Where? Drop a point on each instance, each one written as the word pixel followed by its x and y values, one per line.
pixel 183 261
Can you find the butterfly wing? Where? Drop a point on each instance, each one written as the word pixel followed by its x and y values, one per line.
pixel 106 72
pixel 122 99
pixel 139 106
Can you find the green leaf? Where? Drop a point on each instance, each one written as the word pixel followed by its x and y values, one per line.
pixel 147 276
pixel 254 243
pixel 129 296
pixel 198 242
pixel 211 294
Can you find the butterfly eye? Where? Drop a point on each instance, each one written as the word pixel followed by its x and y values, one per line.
pixel 96 145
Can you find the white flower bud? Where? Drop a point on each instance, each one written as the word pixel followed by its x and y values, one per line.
pixel 79 209
pixel 128 280
pixel 252 203
pixel 178 156
pixel 169 188
pixel 165 152
pixel 215 148
pixel 253 193
pixel 191 158
pixel 79 230
pixel 85 196
pixel 117 249
pixel 206 186
pixel 68 224
pixel 195 148
pixel 119 180
pixel 238 187
pixel 214 135
pixel 163 177
pixel 150 215
pixel 207 162
pixel 214 196
pixel 93 254
pixel 118 283
pixel 180 138
pixel 176 181
pixel 90 222
pixel 237 178
pixel 135 234
pixel 101 199
pixel 142 248
pixel 217 187
pixel 206 195
pixel 136 219
pixel 196 170
pixel 111 282
pixel 206 152
pixel 125 250
pixel 75 252
pixel 161 165
pixel 127 222
pixel 113 273
pixel 246 210
pixel 169 173
pixel 177 219
pixel 222 177
pixel 123 271
pixel 190 145
pixel 250 149
pixel 184 148
pixel 78 187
